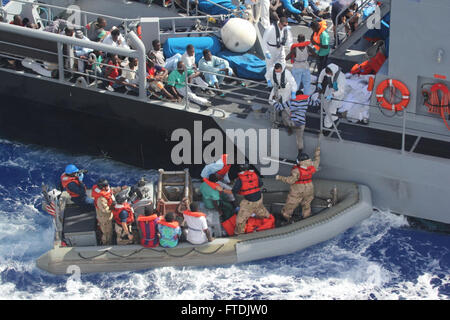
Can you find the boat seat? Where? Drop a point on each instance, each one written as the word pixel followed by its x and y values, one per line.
pixel 213 219
pixel 79 226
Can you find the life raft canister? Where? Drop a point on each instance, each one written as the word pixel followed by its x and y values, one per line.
pixel 118 208
pixel 147 229
pixel 393 85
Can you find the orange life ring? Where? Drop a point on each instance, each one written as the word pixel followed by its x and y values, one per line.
pixel 393 85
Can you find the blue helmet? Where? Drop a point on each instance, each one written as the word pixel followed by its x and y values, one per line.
pixel 71 168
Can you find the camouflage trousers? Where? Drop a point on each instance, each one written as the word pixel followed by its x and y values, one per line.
pixel 121 233
pixel 300 194
pixel 246 209
pixel 105 223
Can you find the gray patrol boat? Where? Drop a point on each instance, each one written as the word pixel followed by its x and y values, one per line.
pixel 402 155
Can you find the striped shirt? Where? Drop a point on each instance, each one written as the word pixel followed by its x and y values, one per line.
pixel 299 107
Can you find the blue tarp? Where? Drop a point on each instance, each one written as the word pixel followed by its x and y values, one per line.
pixel 178 45
pixel 4 2
pixel 212 9
pixel 246 66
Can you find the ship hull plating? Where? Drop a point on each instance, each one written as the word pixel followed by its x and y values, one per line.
pixel 90 122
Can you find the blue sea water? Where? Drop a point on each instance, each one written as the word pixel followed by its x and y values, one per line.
pixel 380 258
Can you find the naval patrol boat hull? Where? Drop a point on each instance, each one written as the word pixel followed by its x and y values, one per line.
pixel 91 122
pixel 354 204
pixel 411 180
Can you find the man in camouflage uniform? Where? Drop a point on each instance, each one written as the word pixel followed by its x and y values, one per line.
pixel 302 188
pixel 248 184
pixel 104 201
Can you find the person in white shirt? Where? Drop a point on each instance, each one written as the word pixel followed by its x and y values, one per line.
pixel 157 56
pixel 276 37
pixel 188 59
pixel 128 77
pixel 80 52
pixel 210 63
pixel 115 39
pixel 197 226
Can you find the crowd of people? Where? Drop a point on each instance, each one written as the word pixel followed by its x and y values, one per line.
pixel 292 90
pixel 180 77
pixel 115 215
pixel 119 224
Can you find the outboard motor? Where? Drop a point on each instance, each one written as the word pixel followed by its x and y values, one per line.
pixel 140 196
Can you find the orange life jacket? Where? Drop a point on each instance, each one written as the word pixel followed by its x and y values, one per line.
pixel 250 182
pixel 253 224
pixel 65 180
pixel 139 31
pixel 97 193
pixel 194 214
pixel 147 229
pixel 173 224
pixel 298 45
pixel 305 174
pixel 226 167
pixel 213 185
pixel 118 208
pixel 371 66
pixel 316 36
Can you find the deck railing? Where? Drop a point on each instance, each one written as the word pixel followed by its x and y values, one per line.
pixel 61 40
pixel 255 91
pixel 364 4
pixel 77 15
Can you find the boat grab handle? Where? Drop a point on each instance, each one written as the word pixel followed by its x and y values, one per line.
pixel 214 110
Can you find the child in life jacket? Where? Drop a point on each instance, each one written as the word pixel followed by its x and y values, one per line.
pixel 169 231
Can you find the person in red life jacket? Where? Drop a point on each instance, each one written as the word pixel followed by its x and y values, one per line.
pixel 197 226
pixel 169 231
pixel 104 201
pixel 148 230
pixel 123 215
pixel 302 187
pixel 248 184
pixel 72 183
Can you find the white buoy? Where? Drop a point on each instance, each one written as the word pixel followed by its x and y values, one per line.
pixel 238 35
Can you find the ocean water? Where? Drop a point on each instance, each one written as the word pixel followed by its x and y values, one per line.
pixel 380 258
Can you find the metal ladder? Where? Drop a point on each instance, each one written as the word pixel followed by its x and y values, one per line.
pixel 324 113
